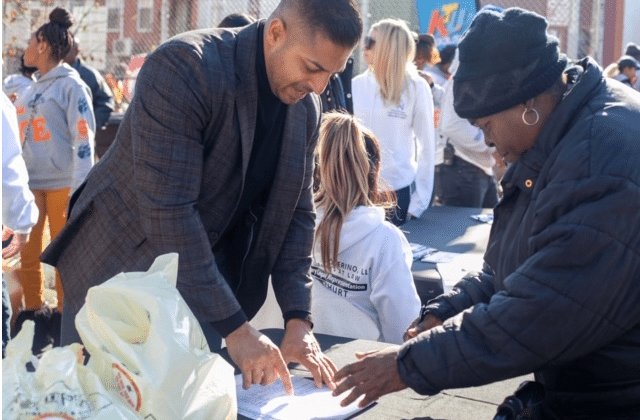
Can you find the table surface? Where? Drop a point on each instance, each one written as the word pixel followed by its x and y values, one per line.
pixel 458 404
pixel 449 229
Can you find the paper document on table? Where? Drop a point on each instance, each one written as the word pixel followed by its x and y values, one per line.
pixel 484 218
pixel 420 250
pixel 439 257
pixel 452 272
pixel 272 403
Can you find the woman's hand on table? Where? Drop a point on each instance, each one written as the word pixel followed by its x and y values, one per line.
pixel 375 374
pixel 418 326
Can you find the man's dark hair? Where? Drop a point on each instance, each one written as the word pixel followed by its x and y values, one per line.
pixel 447 52
pixel 425 44
pixel 633 50
pixel 338 20
pixel 236 20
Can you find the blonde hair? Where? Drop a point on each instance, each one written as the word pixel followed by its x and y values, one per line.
pixel 348 176
pixel 393 57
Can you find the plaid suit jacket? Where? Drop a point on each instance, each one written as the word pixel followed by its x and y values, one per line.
pixel 174 176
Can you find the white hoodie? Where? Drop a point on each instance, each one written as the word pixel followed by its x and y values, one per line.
pixel 371 294
pixel 405 132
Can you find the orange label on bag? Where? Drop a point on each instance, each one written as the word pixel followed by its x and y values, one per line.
pixel 127 387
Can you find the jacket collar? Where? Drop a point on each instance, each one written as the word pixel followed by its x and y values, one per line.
pixel 246 88
pixel 584 79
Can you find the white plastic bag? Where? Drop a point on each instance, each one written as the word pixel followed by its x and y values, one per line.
pixel 60 387
pixel 146 345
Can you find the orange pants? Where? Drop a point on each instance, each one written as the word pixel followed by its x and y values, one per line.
pixel 52 204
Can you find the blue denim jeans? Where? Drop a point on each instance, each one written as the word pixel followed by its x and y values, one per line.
pixel 6 315
pixel 398 215
pixel 465 185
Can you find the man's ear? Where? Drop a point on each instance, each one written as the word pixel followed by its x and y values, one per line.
pixel 276 32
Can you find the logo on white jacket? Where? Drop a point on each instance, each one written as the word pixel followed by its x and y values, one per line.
pixel 398 111
pixel 338 284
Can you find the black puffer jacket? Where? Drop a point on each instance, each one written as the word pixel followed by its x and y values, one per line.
pixel 560 291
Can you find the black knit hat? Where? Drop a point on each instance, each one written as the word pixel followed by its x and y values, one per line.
pixel 505 59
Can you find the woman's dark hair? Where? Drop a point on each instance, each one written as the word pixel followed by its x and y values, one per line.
pixel 56 32
pixel 24 70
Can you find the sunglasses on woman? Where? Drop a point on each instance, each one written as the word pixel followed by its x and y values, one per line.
pixel 369 42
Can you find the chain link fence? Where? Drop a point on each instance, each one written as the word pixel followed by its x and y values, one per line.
pixel 116 35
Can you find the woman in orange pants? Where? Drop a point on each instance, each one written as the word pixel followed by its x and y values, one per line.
pixel 57 130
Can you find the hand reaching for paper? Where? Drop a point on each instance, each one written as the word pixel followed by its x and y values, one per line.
pixel 299 345
pixel 259 360
pixel 375 374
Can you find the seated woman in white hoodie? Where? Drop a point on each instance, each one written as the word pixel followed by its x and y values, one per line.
pixel 363 287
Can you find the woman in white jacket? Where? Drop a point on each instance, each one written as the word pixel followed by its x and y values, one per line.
pixel 393 101
pixel 363 287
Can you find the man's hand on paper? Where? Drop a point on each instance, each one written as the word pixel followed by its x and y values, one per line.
pixel 418 327
pixel 257 357
pixel 299 345
pixel 375 374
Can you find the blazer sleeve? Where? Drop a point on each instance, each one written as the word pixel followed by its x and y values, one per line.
pixel 177 94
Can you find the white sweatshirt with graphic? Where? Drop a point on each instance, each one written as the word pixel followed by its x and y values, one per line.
pixel 370 294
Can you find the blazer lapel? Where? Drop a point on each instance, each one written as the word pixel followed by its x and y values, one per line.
pixel 246 98
pixel 288 180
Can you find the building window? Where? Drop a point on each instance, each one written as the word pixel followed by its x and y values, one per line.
pixel 113 19
pixel 145 15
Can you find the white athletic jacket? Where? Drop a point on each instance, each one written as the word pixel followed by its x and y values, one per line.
pixel 405 132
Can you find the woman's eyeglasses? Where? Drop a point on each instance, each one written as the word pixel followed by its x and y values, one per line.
pixel 369 42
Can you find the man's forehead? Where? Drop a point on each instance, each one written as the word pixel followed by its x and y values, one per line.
pixel 325 54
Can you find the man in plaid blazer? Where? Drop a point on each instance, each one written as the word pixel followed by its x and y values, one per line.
pixel 214 160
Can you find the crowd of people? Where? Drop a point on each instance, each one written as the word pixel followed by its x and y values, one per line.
pixel 253 152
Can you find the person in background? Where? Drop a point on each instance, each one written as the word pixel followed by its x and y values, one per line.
pixel 440 71
pixel 464 163
pixel 214 160
pixel 394 102
pixel 633 50
pixel 57 129
pixel 375 299
pixel 624 70
pixel 102 97
pixel 19 210
pixel 236 20
pixel 564 243
pixel 427 55
pixel 15 84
